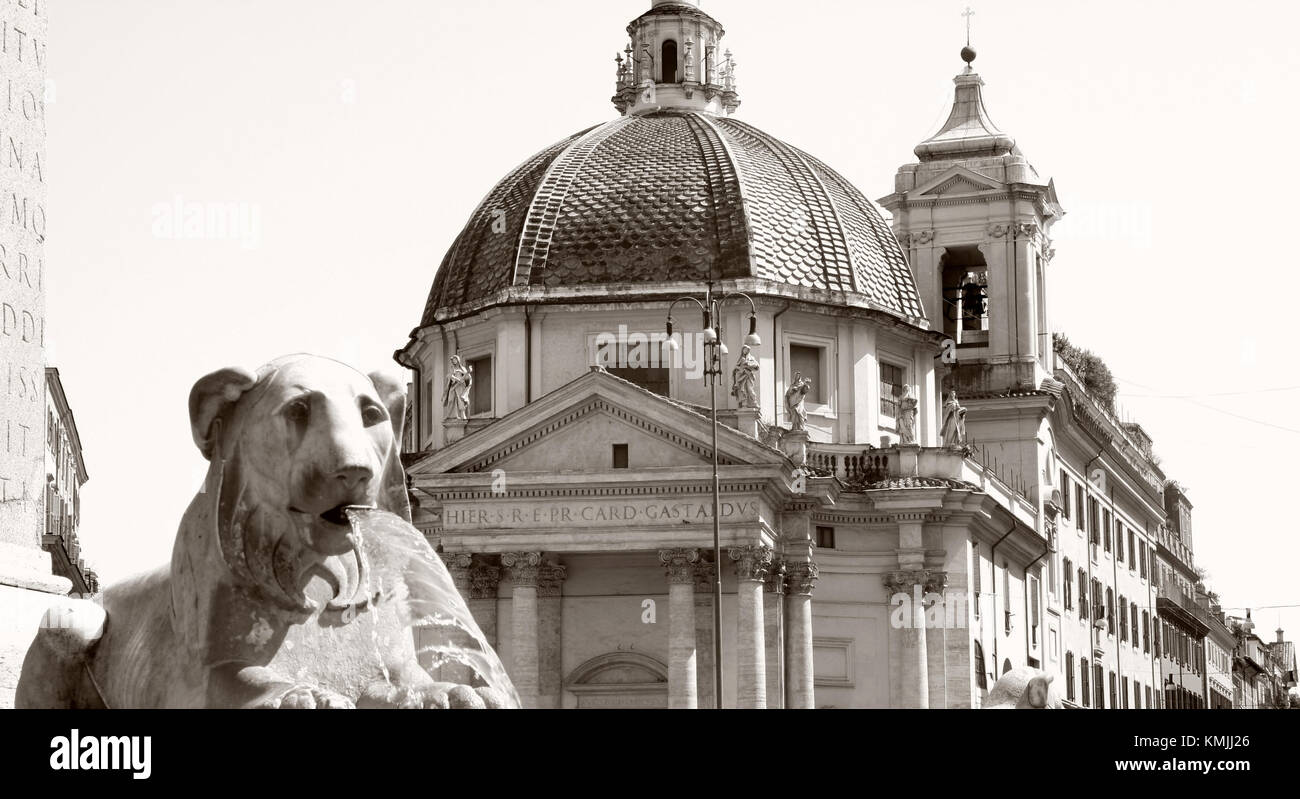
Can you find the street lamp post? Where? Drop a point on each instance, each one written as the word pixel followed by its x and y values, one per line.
pixel 714 349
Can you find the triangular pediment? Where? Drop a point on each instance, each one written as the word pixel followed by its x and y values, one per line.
pixel 575 427
pixel 958 180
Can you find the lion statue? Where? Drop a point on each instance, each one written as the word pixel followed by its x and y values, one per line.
pixel 273 597
pixel 1023 688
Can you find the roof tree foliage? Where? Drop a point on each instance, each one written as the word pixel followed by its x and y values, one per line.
pixel 1090 368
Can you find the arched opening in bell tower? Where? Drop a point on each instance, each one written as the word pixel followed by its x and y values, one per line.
pixel 965 295
pixel 668 57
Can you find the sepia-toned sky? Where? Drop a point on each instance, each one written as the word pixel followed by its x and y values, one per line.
pixel 349 141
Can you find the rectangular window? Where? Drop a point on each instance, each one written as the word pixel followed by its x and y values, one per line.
pixel 427 401
pixel 1079 520
pixel 1094 522
pixel 1113 692
pixel 1065 494
pixel 806 360
pixel 1033 611
pixel 825 537
pixel 1006 592
pixel 976 572
pixel 1105 528
pixel 1147 690
pixel 891 389
pixel 1119 540
pixel 480 393
pixel 620 456
pixel 1132 551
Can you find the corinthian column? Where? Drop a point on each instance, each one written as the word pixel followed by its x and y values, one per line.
pixel 522 569
pixel 704 670
pixel 550 582
pixel 909 678
pixel 484 578
pixel 774 632
pixel 680 567
pixel 752 563
pixel 799 633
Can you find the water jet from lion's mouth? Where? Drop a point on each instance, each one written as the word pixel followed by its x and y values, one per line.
pixel 448 642
pixel 339 513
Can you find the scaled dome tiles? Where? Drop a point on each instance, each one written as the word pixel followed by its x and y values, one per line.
pixel 668 197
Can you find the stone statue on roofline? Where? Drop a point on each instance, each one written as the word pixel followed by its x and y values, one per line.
pixel 954 422
pixel 744 379
pixel 907 418
pixel 794 402
pixel 455 400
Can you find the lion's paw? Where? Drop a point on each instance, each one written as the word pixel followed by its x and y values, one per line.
pixel 308 697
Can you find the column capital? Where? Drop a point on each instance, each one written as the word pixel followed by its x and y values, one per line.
pixel 802 578
pixel 550 576
pixel 522 568
pixel 775 582
pixel 903 581
pixel 680 564
pixel 483 581
pixel 703 576
pixel 458 565
pixel 752 561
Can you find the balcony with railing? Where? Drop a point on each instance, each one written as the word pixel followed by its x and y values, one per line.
pixel 1176 605
pixel 862 468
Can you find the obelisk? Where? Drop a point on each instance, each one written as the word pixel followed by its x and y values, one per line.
pixel 26 581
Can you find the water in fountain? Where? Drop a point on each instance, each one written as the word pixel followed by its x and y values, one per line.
pixel 449 643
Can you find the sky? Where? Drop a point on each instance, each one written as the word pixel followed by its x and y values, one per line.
pixel 336 148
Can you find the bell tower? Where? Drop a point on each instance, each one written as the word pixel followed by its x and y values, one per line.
pixel 974 216
pixel 675 59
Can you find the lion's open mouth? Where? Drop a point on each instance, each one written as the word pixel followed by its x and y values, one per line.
pixel 338 515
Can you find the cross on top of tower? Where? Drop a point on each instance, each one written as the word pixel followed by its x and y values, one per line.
pixel 968 52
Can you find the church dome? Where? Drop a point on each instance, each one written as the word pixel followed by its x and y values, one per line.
pixel 666 197
pixel 674 191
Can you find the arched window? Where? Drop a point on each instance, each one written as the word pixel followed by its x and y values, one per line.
pixel 669 61
pixel 980 678
pixel 1006 665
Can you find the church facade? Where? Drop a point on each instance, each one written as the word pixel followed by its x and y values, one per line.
pixel 914 493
